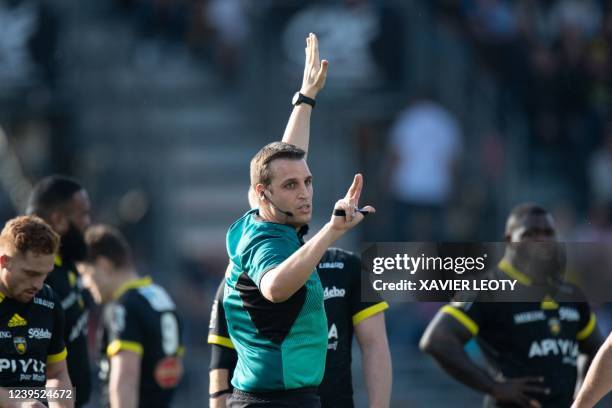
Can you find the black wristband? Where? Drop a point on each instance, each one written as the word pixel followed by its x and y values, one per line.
pixel 220 393
pixel 339 212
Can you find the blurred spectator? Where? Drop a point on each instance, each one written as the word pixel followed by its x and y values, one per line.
pixel 600 169
pixel 362 40
pixel 425 144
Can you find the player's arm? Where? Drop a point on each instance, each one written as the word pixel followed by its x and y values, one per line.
pixel 281 282
pixel 218 387
pixel 598 380
pixel 124 379
pixel 445 338
pixel 297 131
pixel 58 378
pixel 371 335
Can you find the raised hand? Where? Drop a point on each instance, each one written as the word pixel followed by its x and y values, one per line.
pixel 349 204
pixel 315 69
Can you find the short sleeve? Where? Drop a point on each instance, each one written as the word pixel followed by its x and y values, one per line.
pixel 265 254
pixel 361 310
pixel 124 329
pixel 587 323
pixel 57 348
pixel 471 315
pixel 217 328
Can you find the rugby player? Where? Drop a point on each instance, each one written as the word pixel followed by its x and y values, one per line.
pixel 598 380
pixel 64 204
pixel 339 271
pixel 32 350
pixel 273 296
pixel 531 348
pixel 141 338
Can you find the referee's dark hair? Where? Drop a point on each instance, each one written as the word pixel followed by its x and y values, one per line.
pixel 520 212
pixel 106 241
pixel 50 194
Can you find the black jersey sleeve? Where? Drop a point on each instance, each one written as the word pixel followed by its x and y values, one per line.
pixel 588 321
pixel 361 310
pixel 472 315
pixel 57 348
pixel 125 327
pixel 217 328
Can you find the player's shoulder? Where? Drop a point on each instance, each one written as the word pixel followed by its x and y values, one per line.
pixel 152 296
pixel 569 292
pixel 46 298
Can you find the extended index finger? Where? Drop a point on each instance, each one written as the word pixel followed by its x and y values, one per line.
pixel 354 191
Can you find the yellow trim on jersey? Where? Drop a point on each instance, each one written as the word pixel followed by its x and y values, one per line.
pixel 549 303
pixel 1 297
pixel 220 341
pixel 462 318
pixel 368 312
pixel 133 284
pixel 58 260
pixel 514 273
pixel 17 320
pixel 56 358
pixel 588 329
pixel 117 345
pixel 180 351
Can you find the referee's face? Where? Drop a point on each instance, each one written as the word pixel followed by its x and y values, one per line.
pixel 291 191
pixel 23 275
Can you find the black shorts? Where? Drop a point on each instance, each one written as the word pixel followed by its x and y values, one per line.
pixel 298 398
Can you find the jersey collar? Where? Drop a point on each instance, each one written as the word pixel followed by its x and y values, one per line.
pixel 514 273
pixel 58 260
pixel 132 284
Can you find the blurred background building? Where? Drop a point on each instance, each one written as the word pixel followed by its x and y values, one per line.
pixel 454 110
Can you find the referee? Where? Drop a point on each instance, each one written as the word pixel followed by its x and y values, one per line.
pixel 531 348
pixel 32 351
pixel 64 204
pixel 273 295
pixel 347 315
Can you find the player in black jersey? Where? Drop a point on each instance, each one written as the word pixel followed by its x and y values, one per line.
pixel 64 205
pixel 32 351
pixel 531 348
pixel 141 337
pixel 339 272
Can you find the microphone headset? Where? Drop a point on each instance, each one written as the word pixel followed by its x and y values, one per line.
pixel 265 197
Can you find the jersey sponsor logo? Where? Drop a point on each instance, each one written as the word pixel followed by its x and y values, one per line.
pixel 80 327
pixel 528 317
pixel 331 265
pixel 17 321
pixel 554 325
pixel 569 314
pixel 22 365
pixel 555 347
pixel 20 344
pixel 168 372
pixel 117 324
pixel 157 298
pixel 333 292
pixel 38 333
pixel 332 337
pixel 212 324
pixel 44 302
pixel 5 335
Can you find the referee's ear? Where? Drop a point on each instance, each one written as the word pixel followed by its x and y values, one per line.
pixel 4 261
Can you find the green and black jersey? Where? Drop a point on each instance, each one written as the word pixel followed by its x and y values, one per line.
pixel 530 339
pixel 31 337
pixel 64 281
pixel 280 346
pixel 339 272
pixel 143 320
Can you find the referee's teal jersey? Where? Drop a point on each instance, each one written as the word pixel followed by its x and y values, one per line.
pixel 280 346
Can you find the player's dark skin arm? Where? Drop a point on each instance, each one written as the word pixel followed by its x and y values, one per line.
pixel 445 338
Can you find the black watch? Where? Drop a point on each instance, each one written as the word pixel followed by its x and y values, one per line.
pixel 299 98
